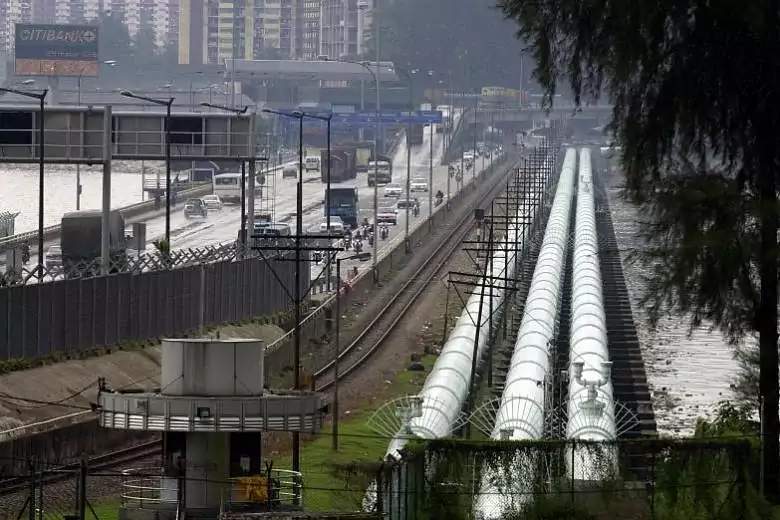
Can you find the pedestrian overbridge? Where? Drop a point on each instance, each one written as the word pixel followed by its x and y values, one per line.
pixel 486 115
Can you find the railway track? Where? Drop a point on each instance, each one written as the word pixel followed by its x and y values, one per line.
pixel 111 460
pixel 372 338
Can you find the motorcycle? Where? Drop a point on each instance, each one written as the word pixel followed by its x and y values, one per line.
pixel 438 201
pixel 416 211
pixel 383 232
pixel 358 246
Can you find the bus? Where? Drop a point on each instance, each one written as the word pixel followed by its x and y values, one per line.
pixel 343 203
pixel 228 186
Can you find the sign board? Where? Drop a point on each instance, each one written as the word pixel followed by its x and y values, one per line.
pixel 56 50
pixel 464 95
pixel 359 118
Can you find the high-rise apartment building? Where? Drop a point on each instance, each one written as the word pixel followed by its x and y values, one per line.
pixel 308 29
pixel 213 31
pixel 344 27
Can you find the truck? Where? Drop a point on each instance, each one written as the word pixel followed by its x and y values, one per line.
pixel 384 166
pixel 342 201
pixel 416 133
pixel 81 241
pixel 342 165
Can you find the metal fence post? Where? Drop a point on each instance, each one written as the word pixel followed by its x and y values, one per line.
pixel 82 490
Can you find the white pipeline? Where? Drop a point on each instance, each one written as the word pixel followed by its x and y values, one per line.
pixel 447 387
pixel 521 413
pixel 591 408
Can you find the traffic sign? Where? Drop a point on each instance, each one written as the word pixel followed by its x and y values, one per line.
pixel 369 117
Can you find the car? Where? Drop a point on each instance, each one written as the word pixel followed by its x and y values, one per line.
pixel 387 215
pixel 53 257
pixel 213 202
pixel 393 190
pixel 195 208
pixel 419 184
pixel 290 171
pixel 336 225
pixel 407 203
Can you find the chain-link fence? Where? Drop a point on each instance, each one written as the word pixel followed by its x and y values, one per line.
pixel 142 298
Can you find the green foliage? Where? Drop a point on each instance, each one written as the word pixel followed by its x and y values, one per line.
pixel 464 42
pixel 140 51
pixel 692 479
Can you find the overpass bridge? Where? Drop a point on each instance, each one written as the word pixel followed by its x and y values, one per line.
pixel 486 115
pixel 583 118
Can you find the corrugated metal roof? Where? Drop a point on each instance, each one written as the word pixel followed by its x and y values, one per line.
pixel 309 70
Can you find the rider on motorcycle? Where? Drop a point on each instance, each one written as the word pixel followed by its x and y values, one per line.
pixel 439 194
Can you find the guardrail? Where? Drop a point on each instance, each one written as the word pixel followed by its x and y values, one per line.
pixel 277 353
pixel 129 212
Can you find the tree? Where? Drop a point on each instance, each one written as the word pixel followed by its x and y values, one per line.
pixel 145 49
pixel 694 85
pixel 115 41
pixel 465 42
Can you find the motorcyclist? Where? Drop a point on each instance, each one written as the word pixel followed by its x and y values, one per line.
pixel 439 194
pixel 383 231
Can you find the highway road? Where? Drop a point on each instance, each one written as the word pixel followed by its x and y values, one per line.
pixel 222 226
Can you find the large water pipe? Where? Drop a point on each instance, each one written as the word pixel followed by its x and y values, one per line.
pixel 521 413
pixel 591 409
pixel 446 388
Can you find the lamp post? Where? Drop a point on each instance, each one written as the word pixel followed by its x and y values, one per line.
pixel 167 103
pixel 296 455
pixel 238 113
pixel 41 97
pixel 377 128
pixel 335 431
pixel 110 63
pixel 327 119
pixel 408 74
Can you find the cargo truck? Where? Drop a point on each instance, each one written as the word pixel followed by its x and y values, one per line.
pixel 383 166
pixel 342 164
pixel 80 239
pixel 416 133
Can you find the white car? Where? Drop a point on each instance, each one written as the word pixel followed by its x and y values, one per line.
pixel 336 225
pixel 393 190
pixel 212 202
pixel 419 184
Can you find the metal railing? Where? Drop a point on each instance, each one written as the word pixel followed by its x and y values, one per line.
pixel 151 488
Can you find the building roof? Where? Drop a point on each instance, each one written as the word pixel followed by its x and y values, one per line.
pixel 115 99
pixel 310 70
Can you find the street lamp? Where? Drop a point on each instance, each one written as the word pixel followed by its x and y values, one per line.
pixel 408 74
pixel 167 103
pixel 238 113
pixel 377 128
pixel 359 256
pixel 296 456
pixel 41 97
pixel 327 119
pixel 110 63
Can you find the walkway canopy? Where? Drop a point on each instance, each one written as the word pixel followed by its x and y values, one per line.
pixel 310 70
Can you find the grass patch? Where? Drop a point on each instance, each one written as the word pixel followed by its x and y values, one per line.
pixel 104 510
pixel 337 481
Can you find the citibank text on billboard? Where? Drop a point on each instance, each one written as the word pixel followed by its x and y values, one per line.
pixel 56 50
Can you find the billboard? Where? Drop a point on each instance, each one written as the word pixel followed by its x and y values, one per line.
pixel 56 50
